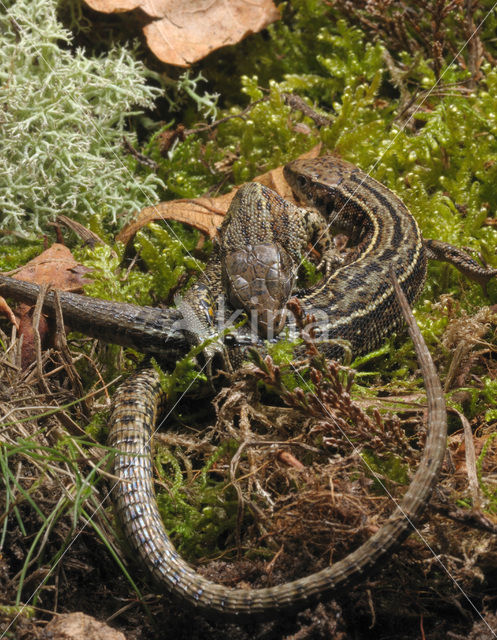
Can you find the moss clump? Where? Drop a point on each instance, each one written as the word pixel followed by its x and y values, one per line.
pixel 166 258
pixel 389 467
pixel 485 466
pixel 198 509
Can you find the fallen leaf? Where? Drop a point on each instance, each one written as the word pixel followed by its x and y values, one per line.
pixel 290 460
pixel 457 445
pixel 26 330
pixel 206 214
pixel 56 267
pixel 120 6
pixel 181 32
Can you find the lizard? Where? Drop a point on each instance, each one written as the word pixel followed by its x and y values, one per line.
pixel 362 294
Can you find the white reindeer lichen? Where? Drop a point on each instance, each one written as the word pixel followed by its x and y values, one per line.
pixel 63 115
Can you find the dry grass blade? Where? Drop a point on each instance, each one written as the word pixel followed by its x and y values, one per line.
pixel 470 461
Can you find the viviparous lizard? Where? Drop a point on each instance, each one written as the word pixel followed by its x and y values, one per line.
pixel 361 306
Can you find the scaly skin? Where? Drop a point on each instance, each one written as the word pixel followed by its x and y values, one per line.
pixel 361 303
pixel 146 329
pixel 355 302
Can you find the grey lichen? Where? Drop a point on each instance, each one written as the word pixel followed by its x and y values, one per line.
pixel 62 123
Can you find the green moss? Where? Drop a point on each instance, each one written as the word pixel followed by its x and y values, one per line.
pixel 388 466
pixel 13 612
pixel 18 251
pixel 97 427
pixel 185 377
pixel 444 169
pixel 198 509
pixel 167 255
pixel 283 355
pixel 189 168
pixel 263 140
pixel 109 280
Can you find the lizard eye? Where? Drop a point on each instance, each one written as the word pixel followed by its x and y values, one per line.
pixel 302 181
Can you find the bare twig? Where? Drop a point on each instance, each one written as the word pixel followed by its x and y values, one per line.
pixel 473 519
pixel 36 335
pixel 140 157
pixel 89 237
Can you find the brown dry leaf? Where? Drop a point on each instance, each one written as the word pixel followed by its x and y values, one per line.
pixel 290 460
pixel 26 329
pixel 457 446
pixel 120 6
pixel 56 267
pixel 206 214
pixel 181 32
